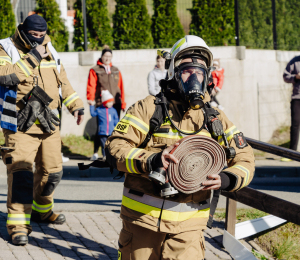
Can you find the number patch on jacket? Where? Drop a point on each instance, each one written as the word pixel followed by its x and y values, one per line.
pixel 119 255
pixel 122 127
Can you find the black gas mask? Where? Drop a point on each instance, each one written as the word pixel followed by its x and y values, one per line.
pixel 192 83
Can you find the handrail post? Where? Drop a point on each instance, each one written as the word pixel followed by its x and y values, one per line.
pixel 230 218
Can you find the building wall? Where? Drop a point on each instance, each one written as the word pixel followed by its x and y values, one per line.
pixel 254 95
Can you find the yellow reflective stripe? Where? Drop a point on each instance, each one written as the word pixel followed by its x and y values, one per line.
pixel 130 159
pixel 18 219
pixel 245 170
pixel 141 207
pixel 24 68
pixel 70 99
pixel 230 132
pixel 178 45
pixel 136 122
pixel 50 64
pixel 182 216
pixel 6 59
pixel 166 214
pixel 42 208
pixel 174 134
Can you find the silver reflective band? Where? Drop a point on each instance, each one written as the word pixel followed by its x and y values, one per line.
pixel 158 203
pixel 40 208
pixel 135 122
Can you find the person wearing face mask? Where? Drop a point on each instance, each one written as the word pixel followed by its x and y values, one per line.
pixel 155 226
pixel 105 76
pixel 31 77
pixel 158 73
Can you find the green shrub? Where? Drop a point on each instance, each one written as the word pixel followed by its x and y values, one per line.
pixel 7 21
pixel 166 27
pixel 132 25
pixel 213 20
pixel 57 30
pixel 99 31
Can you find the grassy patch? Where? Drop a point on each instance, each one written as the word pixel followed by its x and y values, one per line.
pixel 72 145
pixel 77 145
pixel 282 242
pixel 241 214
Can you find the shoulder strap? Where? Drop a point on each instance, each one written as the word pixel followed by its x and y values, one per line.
pixel 10 49
pixel 157 118
pixel 55 55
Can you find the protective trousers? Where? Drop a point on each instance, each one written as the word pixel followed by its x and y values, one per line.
pixel 139 243
pixel 27 192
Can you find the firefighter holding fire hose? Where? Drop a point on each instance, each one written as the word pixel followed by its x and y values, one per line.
pixel 158 221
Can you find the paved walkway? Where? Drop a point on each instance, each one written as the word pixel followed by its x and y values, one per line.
pixel 85 235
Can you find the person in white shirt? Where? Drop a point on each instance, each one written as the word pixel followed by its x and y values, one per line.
pixel 159 72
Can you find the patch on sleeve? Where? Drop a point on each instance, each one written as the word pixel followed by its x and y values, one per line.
pixel 119 255
pixel 240 140
pixel 122 127
pixel 2 63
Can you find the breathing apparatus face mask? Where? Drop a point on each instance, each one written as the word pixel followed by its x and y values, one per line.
pixel 192 83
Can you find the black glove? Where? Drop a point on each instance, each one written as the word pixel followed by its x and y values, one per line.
pixel 155 161
pixel 48 119
pixel 36 103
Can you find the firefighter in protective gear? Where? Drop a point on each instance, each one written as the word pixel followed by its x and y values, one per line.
pixel 26 56
pixel 172 228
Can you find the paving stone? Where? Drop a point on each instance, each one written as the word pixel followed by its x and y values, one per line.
pixel 86 235
pixel 21 255
pixel 53 254
pixel 7 255
pixel 217 250
pixel 67 253
pixel 209 255
pixel 36 253
pixel 83 252
pixel 73 258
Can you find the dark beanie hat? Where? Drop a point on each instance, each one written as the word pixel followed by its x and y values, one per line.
pixel 35 22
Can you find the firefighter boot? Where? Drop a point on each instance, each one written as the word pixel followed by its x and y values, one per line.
pixel 53 218
pixel 19 238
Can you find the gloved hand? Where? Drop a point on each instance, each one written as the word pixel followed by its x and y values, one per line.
pixel 35 104
pixel 48 119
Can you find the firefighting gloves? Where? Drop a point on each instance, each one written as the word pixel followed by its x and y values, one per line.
pixel 48 119
pixel 36 107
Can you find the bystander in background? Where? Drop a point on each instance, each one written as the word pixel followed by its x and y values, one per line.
pixel 159 72
pixel 105 76
pixel 218 79
pixel 107 119
pixel 292 75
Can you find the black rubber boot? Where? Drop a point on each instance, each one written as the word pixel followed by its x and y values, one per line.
pixel 52 219
pixel 19 238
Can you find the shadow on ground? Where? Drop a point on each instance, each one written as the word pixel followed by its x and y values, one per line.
pixel 58 242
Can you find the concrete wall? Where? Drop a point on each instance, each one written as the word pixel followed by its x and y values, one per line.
pixel 247 74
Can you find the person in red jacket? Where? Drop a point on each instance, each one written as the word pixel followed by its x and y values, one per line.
pixel 105 76
pixel 218 79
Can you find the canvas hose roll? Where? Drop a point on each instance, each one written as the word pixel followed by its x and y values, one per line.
pixel 198 156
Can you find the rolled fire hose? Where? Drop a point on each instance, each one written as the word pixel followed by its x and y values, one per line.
pixel 198 156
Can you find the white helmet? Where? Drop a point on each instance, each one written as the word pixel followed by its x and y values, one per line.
pixel 189 45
